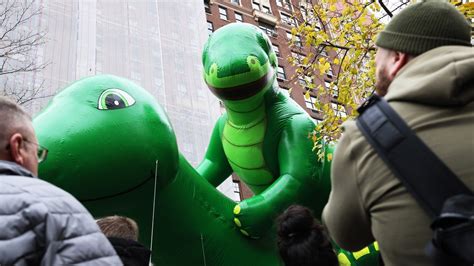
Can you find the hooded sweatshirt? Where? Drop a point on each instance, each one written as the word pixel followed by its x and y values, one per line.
pixel 434 94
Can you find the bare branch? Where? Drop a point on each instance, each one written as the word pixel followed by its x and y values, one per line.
pixel 20 40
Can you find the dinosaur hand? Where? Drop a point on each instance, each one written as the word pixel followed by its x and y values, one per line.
pixel 252 217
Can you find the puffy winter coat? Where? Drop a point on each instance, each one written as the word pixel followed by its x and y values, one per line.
pixel 40 224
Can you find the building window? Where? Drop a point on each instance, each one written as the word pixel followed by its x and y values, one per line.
pixel 322 51
pixel 266 9
pixel 239 17
pixel 298 41
pixel 339 109
pixel 267 28
pixel 301 81
pixel 299 57
pixel 309 102
pixel 335 91
pixel 330 74
pixel 276 50
pixel 256 5
pixel 327 84
pixel 281 73
pixel 284 3
pixel 334 88
pixel 317 121
pixel 236 189
pixel 207 6
pixel 210 28
pixel 305 81
pixel 222 13
pixel 287 19
pixel 236 2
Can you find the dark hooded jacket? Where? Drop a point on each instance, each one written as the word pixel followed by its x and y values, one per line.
pixel 131 252
pixel 40 224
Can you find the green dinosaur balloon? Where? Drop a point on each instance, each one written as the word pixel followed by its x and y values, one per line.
pixel 112 146
pixel 105 136
pixel 109 141
pixel 263 136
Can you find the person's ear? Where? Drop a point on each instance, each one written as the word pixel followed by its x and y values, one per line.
pixel 399 60
pixel 17 148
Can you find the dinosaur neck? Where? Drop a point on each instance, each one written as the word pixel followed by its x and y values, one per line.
pixel 247 112
pixel 246 117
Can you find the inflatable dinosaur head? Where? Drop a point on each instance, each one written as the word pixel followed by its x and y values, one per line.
pixel 239 62
pixel 104 135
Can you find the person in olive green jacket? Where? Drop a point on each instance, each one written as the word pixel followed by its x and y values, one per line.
pixel 425 70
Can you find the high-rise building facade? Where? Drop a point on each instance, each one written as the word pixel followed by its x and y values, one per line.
pixel 155 43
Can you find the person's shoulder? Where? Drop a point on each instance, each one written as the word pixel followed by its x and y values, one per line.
pixel 351 139
pixel 349 127
pixel 15 194
pixel 350 131
pixel 53 197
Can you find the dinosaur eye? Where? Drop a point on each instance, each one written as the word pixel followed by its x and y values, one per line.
pixel 114 99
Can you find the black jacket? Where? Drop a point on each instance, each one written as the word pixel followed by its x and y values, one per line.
pixel 40 224
pixel 131 252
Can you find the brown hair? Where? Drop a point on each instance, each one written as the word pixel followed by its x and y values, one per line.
pixel 118 226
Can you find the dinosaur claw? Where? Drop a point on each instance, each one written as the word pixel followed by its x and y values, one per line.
pixel 237 222
pixel 244 232
pixel 237 209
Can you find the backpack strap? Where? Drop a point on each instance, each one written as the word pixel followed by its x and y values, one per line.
pixel 423 174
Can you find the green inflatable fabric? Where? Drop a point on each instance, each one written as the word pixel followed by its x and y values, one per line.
pixel 263 136
pixel 112 147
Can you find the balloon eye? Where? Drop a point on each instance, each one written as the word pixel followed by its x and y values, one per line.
pixel 114 99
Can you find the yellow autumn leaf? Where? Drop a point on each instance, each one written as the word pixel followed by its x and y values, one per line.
pixel 306 95
pixel 348 31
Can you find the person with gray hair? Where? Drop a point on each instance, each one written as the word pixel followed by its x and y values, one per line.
pixel 40 224
pixel 424 70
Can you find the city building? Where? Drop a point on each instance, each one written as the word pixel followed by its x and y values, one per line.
pixel 153 43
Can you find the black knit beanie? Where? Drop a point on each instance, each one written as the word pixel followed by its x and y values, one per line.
pixel 423 26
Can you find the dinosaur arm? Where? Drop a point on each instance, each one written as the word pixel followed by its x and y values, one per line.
pixel 215 167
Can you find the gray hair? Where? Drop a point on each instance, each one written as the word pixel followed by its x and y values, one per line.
pixel 12 117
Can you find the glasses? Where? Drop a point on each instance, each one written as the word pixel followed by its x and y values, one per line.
pixel 42 151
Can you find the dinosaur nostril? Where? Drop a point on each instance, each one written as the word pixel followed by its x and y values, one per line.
pixel 212 70
pixel 252 61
